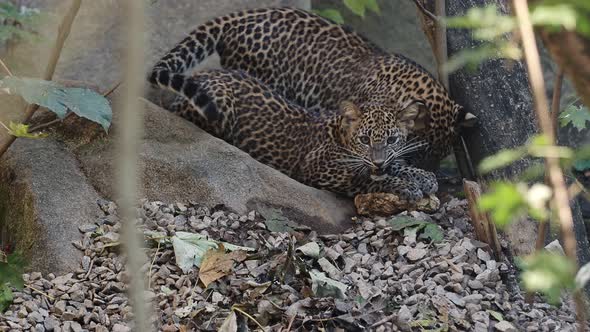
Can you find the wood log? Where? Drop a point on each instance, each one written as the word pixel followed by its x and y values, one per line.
pixel 485 229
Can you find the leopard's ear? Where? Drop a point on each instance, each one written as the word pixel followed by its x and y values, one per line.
pixel 350 115
pixel 415 116
pixel 350 112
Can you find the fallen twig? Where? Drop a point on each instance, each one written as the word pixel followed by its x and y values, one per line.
pixel 40 292
pixel 89 269
pixel 291 323
pixel 234 308
pixel 384 320
pixel 152 266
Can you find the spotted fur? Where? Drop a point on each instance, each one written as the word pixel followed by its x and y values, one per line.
pixel 326 152
pixel 308 67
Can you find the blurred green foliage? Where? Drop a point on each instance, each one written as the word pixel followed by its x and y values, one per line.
pixel 358 7
pixel 493 29
pixel 17 23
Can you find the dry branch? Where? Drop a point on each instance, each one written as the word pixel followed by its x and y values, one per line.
pixel 63 32
pixel 561 198
pixel 485 229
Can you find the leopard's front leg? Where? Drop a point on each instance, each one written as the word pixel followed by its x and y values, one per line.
pixel 395 185
pixel 424 180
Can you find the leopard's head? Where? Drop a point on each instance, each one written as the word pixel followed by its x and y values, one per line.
pixel 375 137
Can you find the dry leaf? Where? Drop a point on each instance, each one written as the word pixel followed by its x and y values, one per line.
pixel 217 264
pixel 230 324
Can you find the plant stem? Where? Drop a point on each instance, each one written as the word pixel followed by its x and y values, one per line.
pixel 5 68
pixel 128 147
pixel 425 11
pixel 561 198
pixel 555 101
pixel 63 32
pixel 111 90
pixel 544 225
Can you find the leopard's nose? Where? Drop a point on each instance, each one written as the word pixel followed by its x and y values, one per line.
pixel 379 163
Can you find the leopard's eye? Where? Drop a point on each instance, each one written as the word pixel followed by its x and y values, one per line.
pixel 392 139
pixel 365 139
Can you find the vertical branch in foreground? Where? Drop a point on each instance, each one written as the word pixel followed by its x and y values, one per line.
pixel 129 129
pixel 63 31
pixel 441 41
pixel 544 225
pixel 555 102
pixel 555 173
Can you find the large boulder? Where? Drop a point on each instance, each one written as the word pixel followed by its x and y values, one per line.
pixel 50 187
pixel 181 162
pixel 44 198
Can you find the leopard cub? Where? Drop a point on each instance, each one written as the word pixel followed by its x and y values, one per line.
pixel 348 152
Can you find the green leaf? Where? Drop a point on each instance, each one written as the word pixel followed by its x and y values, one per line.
pixel 576 13
pixel 356 6
pixel 6 297
pixel 331 14
pixel 473 57
pixel 17 22
pixel 487 22
pixel 373 6
pixel 84 102
pixel 538 146
pixel 411 226
pixel 549 274
pixel 581 165
pixel 275 221
pixel 400 222
pixel 11 271
pixel 22 130
pixel 504 202
pixel 497 316
pixel 323 286
pixel 559 15
pixel 577 116
pixel 432 232
pixel 189 249
pixel 500 159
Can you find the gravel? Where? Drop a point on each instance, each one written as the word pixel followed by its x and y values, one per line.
pixel 393 281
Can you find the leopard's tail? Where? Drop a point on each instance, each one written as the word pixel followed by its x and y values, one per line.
pixel 186 55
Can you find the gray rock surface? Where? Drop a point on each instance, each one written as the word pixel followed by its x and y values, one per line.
pixel 47 187
pixel 44 197
pixel 181 162
pixel 397 29
pixel 96 46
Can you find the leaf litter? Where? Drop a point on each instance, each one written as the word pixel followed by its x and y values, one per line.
pixel 234 274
